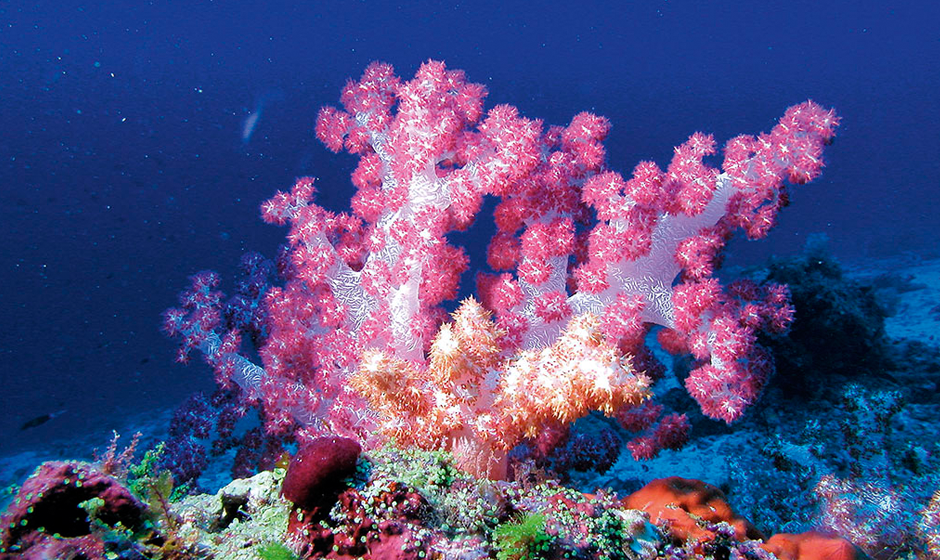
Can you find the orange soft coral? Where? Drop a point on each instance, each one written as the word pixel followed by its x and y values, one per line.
pixel 479 403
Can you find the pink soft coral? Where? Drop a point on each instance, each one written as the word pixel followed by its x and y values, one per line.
pixel 585 262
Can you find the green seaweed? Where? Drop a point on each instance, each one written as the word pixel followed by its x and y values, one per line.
pixel 524 539
pixel 275 551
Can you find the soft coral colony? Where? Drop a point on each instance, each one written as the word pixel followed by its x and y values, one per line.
pixel 356 342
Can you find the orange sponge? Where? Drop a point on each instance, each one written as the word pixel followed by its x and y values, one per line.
pixel 810 546
pixel 680 502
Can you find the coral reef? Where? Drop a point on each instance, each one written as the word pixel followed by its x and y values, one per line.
pixel 417 435
pixel 388 504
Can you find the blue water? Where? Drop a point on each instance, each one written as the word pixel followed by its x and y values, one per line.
pixel 126 164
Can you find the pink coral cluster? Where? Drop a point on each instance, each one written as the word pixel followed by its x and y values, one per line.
pixel 580 253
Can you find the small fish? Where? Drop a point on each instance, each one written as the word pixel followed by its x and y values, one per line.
pixel 251 121
pixel 40 420
pixel 248 126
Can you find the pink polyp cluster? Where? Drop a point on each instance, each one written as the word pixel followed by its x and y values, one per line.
pixel 575 241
